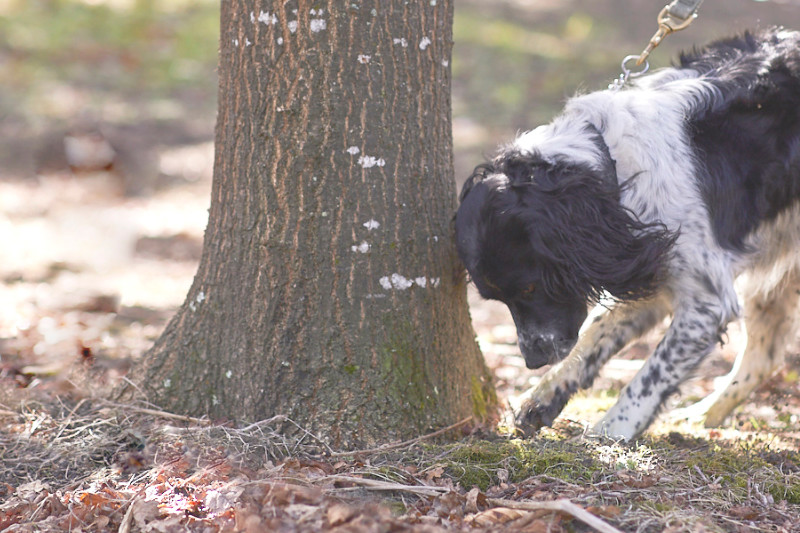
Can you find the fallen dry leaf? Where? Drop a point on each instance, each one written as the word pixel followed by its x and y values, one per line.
pixel 636 480
pixel 288 493
pixel 94 499
pixel 449 505
pixel 497 516
pixel 744 512
pixel 434 473
pixel 475 500
pixel 340 513
pixel 144 512
pixel 605 511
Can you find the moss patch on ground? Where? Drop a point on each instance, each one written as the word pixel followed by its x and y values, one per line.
pixel 483 463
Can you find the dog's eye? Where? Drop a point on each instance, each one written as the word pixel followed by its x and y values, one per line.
pixel 529 290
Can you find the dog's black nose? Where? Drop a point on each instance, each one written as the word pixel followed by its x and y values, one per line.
pixel 544 350
pixel 538 351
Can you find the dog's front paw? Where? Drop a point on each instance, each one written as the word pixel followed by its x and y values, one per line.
pixel 541 407
pixel 615 429
pixel 626 419
pixel 532 417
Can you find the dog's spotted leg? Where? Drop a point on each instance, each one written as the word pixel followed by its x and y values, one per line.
pixel 769 321
pixel 691 336
pixel 604 336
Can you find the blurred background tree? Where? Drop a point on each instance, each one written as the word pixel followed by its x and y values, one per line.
pixel 147 63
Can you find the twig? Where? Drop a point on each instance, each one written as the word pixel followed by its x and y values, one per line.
pixel 375 484
pixel 161 414
pixel 257 425
pixel 403 444
pixel 307 434
pixel 564 506
pixel 125 526
pixel 68 420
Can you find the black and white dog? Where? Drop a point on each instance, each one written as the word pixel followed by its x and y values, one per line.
pixel 656 196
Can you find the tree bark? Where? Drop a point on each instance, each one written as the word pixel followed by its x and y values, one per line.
pixel 329 289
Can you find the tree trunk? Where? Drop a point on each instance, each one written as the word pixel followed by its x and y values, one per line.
pixel 329 289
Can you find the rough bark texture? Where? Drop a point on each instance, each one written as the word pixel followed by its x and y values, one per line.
pixel 329 289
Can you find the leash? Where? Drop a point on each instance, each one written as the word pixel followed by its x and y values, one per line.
pixel 674 17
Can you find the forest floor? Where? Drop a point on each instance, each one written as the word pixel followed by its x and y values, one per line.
pixel 79 310
pixel 97 262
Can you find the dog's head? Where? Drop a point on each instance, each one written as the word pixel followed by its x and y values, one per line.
pixel 548 236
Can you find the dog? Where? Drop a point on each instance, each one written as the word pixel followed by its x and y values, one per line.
pixel 650 200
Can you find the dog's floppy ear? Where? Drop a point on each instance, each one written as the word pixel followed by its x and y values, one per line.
pixel 631 256
pixel 590 242
pixel 636 252
pixel 468 222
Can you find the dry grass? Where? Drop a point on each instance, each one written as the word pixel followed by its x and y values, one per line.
pixel 95 460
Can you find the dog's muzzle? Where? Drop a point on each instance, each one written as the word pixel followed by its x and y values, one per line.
pixel 540 350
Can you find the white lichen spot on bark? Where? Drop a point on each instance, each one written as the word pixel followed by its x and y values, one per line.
pixel 372 224
pixel 317 25
pixel 292 25
pixel 267 18
pixel 368 161
pixel 353 150
pixel 364 59
pixel 200 298
pixel 424 43
pixel 361 248
pixel 167 383
pixel 401 41
pixel 399 282
pixel 228 374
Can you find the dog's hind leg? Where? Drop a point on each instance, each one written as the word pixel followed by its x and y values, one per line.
pixel 769 322
pixel 604 336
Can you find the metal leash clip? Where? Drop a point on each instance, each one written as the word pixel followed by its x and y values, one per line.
pixel 674 17
pixel 627 73
pixel 667 23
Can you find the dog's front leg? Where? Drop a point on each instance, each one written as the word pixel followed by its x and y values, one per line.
pixel 693 333
pixel 605 336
